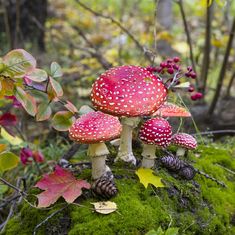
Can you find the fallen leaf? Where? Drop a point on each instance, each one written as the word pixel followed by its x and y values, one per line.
pixel 60 183
pixel 146 177
pixel 105 207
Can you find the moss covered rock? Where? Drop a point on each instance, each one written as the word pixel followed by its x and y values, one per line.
pixel 199 206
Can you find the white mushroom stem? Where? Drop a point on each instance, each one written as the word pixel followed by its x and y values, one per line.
pixel 125 149
pixel 180 152
pixel 149 156
pixel 97 153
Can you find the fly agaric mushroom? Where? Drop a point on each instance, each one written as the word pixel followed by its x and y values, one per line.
pixel 184 142
pixel 128 92
pixel 154 132
pixel 171 110
pixel 94 128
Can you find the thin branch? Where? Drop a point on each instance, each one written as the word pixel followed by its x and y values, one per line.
pixel 12 186
pixel 96 53
pixel 71 151
pixel 47 218
pixel 222 70
pixel 215 132
pixel 189 40
pixel 230 84
pixel 116 22
pixel 207 48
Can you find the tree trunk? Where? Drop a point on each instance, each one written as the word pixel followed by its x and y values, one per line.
pixel 23 21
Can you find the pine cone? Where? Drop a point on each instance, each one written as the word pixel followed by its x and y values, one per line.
pixel 104 187
pixel 172 163
pixel 187 172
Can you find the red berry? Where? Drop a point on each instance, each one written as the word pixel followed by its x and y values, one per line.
pixel 176 67
pixel 193 97
pixel 163 65
pixel 170 70
pixel 169 61
pixel 176 59
pixel 193 75
pixel 159 70
pixel 199 95
pixel 189 68
pixel 187 74
pixel 191 89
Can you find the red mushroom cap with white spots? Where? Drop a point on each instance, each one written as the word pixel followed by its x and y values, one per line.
pixel 172 110
pixel 95 127
pixel 128 91
pixel 156 131
pixel 184 140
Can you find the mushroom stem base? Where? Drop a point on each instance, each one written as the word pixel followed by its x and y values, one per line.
pixel 180 152
pixel 149 156
pixel 125 149
pixel 98 153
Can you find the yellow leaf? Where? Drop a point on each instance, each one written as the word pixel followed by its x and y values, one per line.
pixel 205 3
pixel 105 207
pixel 11 139
pixel 146 177
pixel 164 35
pixel 2 147
pixel 181 47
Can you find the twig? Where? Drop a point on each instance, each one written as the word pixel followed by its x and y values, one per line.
pixel 189 41
pixel 12 186
pixel 207 48
pixel 214 132
pixel 96 53
pixel 211 178
pixel 71 151
pixel 225 168
pixel 222 71
pixel 138 45
pixel 47 218
pixel 230 84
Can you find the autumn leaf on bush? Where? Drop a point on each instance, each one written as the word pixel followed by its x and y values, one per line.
pixel 60 183
pixel 146 177
pixel 8 119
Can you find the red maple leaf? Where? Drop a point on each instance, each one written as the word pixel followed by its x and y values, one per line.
pixel 60 183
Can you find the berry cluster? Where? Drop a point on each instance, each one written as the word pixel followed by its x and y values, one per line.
pixel 171 74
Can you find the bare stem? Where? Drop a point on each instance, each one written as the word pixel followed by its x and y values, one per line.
pixel 222 70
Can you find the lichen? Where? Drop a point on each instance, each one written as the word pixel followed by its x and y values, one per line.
pixel 199 206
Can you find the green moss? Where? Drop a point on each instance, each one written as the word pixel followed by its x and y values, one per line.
pixel 204 209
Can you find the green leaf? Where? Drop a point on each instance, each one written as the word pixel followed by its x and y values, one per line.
pixel 153 232
pixel 18 62
pixel 56 87
pixel 146 177
pixel 62 120
pixel 70 107
pixel 8 161
pixel 44 112
pixel 172 231
pixel 3 189
pixel 183 85
pixel 13 140
pixel 27 101
pixel 37 75
pixel 56 71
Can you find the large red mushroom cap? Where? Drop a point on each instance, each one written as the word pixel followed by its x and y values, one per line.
pixel 172 110
pixel 128 91
pixel 184 140
pixel 95 127
pixel 156 131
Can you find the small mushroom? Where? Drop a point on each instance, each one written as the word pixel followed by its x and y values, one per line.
pixel 156 132
pixel 184 142
pixel 128 92
pixel 171 110
pixel 94 128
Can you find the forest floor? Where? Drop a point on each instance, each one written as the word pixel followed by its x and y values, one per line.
pixel 199 206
